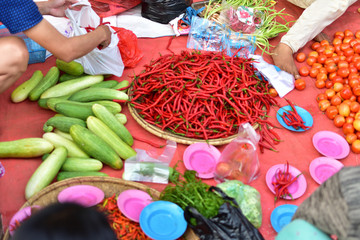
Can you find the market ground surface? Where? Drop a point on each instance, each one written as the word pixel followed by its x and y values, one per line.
pixel 26 119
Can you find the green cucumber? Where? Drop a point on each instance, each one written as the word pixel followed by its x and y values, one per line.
pixel 72 86
pixel 105 133
pixel 62 123
pixel 122 84
pixel 73 68
pixel 65 175
pixel 25 148
pixel 82 165
pixel 106 84
pixel 43 103
pixel 121 117
pixel 58 141
pixel 46 172
pixel 113 123
pixel 94 94
pixel 95 147
pixel 63 134
pixel 22 91
pixel 50 79
pixel 65 77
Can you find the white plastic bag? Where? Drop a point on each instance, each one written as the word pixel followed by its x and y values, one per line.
pixel 104 61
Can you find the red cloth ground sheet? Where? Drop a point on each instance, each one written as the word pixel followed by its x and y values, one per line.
pixel 26 119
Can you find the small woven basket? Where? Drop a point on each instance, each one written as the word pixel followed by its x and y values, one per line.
pixel 109 185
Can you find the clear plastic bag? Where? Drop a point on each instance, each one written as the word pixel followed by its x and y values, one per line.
pixel 145 168
pixel 98 61
pixel 239 159
pixel 211 36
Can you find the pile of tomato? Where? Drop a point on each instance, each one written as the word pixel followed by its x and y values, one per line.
pixel 336 68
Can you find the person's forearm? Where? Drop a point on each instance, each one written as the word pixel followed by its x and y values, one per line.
pixel 66 49
pixel 313 20
pixel 43 7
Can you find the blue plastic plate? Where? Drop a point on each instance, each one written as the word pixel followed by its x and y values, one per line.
pixel 305 115
pixel 163 220
pixel 281 216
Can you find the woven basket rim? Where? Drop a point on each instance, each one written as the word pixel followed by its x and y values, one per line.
pixel 52 190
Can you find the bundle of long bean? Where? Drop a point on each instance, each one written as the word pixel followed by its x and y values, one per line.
pixel 202 95
pixel 270 27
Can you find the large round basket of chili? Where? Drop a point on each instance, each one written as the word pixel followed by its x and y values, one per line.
pixel 199 97
pixel 111 187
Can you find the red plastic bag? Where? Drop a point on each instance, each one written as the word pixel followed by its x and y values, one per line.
pixel 128 46
pixel 107 8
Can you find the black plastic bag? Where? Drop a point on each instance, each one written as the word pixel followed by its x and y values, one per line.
pixel 229 224
pixel 163 11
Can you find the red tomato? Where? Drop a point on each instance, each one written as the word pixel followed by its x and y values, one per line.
pixel 339 35
pixel 320 49
pixel 338 79
pixel 346 93
pixel 355 146
pixel 320 84
pixel 357 64
pixel 343 64
pixel 304 71
pixel 336 59
pixel 337 42
pixel 330 68
pixel 345 46
pixel 339 121
pixel 348 128
pixel 313 72
pixel 348 33
pixel 354 107
pixel 315 46
pixel 324 43
pixel 348 52
pixel 321 58
pixel 343 72
pixel 332 75
pixel 330 93
pixel 300 84
pixel 300 57
pixel 347 40
pixel 321 96
pixel 336 100
pixel 356 90
pixel 331 112
pixel 311 60
pixel 357 34
pixel 329 84
pixel 321 76
pixel 317 65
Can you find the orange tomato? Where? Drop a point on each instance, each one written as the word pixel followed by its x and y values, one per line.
pixel 331 112
pixel 345 93
pixel 338 87
pixel 356 89
pixel 339 121
pixel 313 72
pixel 311 60
pixel 320 84
pixel 354 107
pixel 304 71
pixel 330 93
pixel 321 76
pixel 273 92
pixel 300 84
pixel 356 124
pixel 344 109
pixel 343 72
pixel 315 46
pixel 355 146
pixel 348 33
pixel 335 100
pixel 350 137
pixel 339 35
pixel 348 128
pixel 323 105
pixel 300 57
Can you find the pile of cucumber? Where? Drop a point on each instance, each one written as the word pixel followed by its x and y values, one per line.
pixel 86 132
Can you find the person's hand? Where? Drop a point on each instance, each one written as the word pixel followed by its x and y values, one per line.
pixel 56 8
pixel 282 56
pixel 107 33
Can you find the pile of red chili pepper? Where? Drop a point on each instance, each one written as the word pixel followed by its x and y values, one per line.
pixel 203 95
pixel 124 228
pixel 293 119
pixel 283 179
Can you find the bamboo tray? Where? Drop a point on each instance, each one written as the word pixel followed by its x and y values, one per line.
pixel 109 185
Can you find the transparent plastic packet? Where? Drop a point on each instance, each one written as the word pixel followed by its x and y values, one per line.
pixel 239 159
pixel 209 35
pixel 145 168
pixel 241 19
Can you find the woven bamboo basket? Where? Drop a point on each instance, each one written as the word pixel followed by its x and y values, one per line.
pixel 109 185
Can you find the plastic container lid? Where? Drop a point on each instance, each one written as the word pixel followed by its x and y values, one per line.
pixel 85 195
pixel 163 220
pixel 131 202
pixel 202 158
pixel 281 216
pixel 331 144
pixel 296 189
pixel 305 115
pixel 323 168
